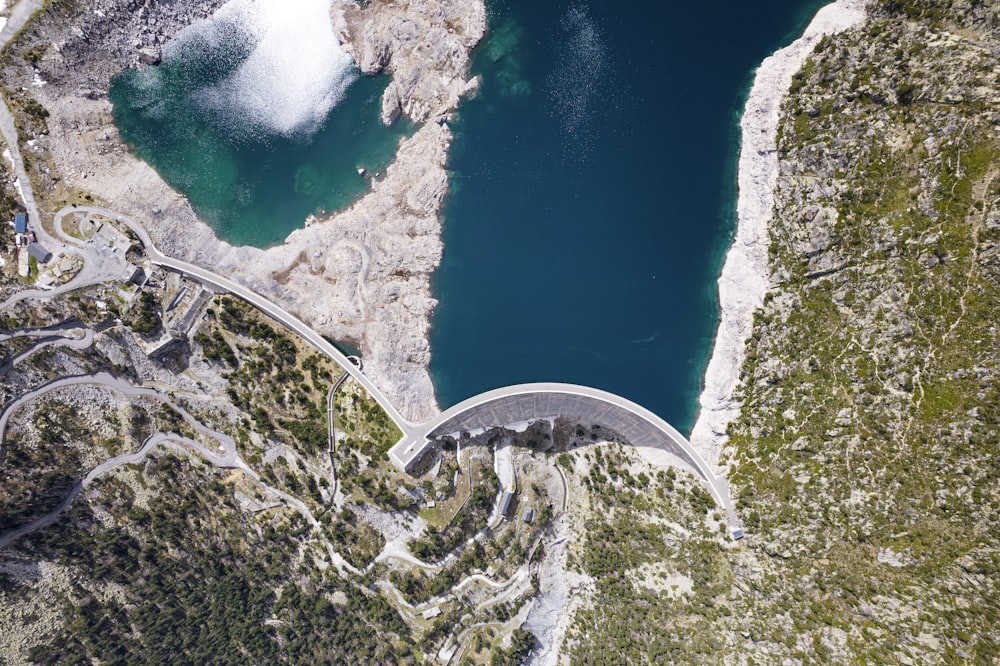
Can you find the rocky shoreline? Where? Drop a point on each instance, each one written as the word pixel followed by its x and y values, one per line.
pixel 361 275
pixel 746 274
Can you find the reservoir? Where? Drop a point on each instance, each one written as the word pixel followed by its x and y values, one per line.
pixel 593 195
pixel 593 178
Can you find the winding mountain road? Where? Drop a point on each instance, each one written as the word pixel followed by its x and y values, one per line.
pixel 226 455
pixel 81 338
pixel 219 283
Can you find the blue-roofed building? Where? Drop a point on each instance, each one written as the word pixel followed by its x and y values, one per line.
pixel 21 223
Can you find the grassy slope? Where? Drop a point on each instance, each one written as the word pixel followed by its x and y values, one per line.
pixel 865 454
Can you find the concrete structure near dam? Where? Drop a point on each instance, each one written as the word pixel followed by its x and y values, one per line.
pixel 502 407
pixel 524 403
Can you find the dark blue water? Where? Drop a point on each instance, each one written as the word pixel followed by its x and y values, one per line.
pixel 594 193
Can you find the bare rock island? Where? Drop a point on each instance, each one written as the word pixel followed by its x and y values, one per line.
pixel 360 275
pixel 404 37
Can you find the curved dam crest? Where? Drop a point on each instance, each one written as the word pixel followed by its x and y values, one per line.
pixel 534 402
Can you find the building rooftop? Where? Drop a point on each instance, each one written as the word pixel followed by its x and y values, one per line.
pixel 508 495
pixel 40 253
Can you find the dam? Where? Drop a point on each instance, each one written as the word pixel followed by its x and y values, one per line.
pixel 533 402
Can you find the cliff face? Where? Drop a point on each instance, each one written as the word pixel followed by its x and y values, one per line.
pixel 362 275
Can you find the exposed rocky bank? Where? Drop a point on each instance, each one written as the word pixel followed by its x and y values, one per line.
pixel 745 276
pixel 361 275
pixel 862 455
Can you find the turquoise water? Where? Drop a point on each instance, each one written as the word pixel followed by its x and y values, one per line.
pixel 594 195
pixel 253 185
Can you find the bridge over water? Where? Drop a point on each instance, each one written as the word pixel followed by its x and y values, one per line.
pixel 532 402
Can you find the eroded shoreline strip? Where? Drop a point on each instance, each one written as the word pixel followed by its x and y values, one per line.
pixel 745 276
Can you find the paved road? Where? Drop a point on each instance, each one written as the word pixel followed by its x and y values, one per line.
pixel 220 283
pixel 227 445
pixel 332 433
pixel 225 456
pixel 526 402
pixel 332 439
pixel 62 328
pixel 565 487
pixel 19 15
pixel 101 263
pixel 157 440
pixel 76 338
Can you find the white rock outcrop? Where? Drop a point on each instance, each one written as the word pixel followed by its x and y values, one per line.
pixel 424 43
pixel 745 276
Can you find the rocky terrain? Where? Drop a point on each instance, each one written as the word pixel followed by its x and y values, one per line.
pixel 863 408
pixel 745 277
pixel 151 505
pixel 862 450
pixel 362 275
pixel 127 33
pixel 863 455
pixel 426 47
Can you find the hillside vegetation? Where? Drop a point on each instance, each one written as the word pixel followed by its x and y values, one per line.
pixel 865 457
